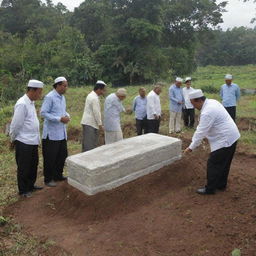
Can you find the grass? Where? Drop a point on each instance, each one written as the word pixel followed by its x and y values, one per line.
pixel 18 243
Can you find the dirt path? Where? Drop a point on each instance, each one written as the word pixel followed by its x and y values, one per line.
pixel 159 214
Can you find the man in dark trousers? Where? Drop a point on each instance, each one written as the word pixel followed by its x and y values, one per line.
pixel 222 133
pixel 25 136
pixel 140 109
pixel 54 132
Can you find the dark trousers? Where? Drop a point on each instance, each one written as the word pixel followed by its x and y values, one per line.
pixel 90 138
pixel 153 126
pixel 55 153
pixel 27 162
pixel 218 167
pixel 189 117
pixel 232 112
pixel 141 126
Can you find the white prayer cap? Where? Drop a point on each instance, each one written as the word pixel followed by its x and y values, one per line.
pixel 35 84
pixel 197 93
pixel 179 79
pixel 121 92
pixel 188 79
pixel 100 82
pixel 228 77
pixel 60 79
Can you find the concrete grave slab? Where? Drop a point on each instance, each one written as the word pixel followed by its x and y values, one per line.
pixel 112 165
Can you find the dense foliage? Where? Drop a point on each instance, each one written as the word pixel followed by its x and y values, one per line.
pixel 119 41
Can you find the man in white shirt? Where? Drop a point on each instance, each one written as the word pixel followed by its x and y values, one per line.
pixel 222 133
pixel 154 109
pixel 112 109
pixel 91 120
pixel 188 108
pixel 25 135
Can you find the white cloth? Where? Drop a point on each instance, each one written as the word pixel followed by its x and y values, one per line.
pixel 216 125
pixel 111 137
pixel 186 92
pixel 92 112
pixel 25 124
pixel 175 122
pixel 112 109
pixel 153 105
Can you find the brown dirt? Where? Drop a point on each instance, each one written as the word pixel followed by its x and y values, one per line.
pixel 159 214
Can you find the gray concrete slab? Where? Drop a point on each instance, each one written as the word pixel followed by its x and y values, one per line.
pixel 112 165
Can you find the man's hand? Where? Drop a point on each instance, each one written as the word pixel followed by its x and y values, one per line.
pixel 156 117
pixel 187 150
pixel 180 102
pixel 11 145
pixel 101 128
pixel 65 119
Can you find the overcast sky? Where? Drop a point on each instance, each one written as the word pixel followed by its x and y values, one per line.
pixel 239 13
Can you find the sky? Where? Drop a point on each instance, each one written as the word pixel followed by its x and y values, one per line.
pixel 238 13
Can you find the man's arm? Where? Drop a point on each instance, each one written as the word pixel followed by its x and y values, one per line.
pixel 172 95
pixel 46 111
pixel 17 120
pixel 204 126
pixel 238 93
pixel 96 111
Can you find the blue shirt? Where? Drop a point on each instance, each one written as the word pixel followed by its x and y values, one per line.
pixel 175 96
pixel 229 94
pixel 112 109
pixel 140 107
pixel 53 108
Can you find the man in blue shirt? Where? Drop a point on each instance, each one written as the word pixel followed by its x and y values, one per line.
pixel 176 104
pixel 54 132
pixel 230 94
pixel 140 109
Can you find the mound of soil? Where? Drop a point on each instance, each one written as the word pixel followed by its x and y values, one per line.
pixel 159 214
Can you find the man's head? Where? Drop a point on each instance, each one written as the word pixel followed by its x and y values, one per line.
pixel 60 84
pixel 228 79
pixel 142 92
pixel 188 82
pixel 197 99
pixel 158 88
pixel 100 88
pixel 121 93
pixel 34 89
pixel 178 81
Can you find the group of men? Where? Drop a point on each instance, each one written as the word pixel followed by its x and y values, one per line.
pixel 215 124
pixel 25 135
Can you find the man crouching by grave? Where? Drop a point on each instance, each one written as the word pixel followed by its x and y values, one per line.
pixel 91 120
pixel 54 132
pixel 112 109
pixel 222 133
pixel 25 135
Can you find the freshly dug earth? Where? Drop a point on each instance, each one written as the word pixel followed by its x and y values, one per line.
pixel 159 214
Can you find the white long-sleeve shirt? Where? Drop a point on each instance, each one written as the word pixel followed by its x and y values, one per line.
pixel 153 105
pixel 25 124
pixel 92 112
pixel 186 91
pixel 113 107
pixel 216 125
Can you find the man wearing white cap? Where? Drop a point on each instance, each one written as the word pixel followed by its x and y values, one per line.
pixel 113 107
pixel 176 104
pixel 154 109
pixel 91 120
pixel 54 132
pixel 188 108
pixel 25 135
pixel 230 94
pixel 222 133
